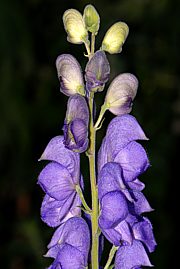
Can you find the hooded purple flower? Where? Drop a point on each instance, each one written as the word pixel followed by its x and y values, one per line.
pixel 70 75
pixel 119 146
pixel 76 124
pixel 58 179
pixel 131 256
pixel 97 72
pixel 70 245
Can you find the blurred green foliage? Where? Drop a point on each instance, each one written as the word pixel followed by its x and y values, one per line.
pixel 32 112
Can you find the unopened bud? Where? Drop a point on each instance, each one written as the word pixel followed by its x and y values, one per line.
pixel 91 19
pixel 115 38
pixel 121 93
pixel 75 26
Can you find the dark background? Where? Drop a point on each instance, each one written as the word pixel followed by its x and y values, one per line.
pixel 32 111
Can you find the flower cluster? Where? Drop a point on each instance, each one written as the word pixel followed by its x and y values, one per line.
pixel 118 203
pixel 121 161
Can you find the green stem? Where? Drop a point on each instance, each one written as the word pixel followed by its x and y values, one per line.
pixel 87 48
pixel 92 43
pixel 111 256
pixel 80 193
pixel 94 193
pixel 101 114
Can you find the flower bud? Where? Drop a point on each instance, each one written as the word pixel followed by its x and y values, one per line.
pixel 120 94
pixel 97 72
pixel 76 124
pixel 115 38
pixel 70 75
pixel 75 27
pixel 91 19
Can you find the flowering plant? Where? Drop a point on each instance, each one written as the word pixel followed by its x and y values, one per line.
pixel 118 203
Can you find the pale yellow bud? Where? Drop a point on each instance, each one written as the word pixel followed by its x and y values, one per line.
pixel 75 26
pixel 91 19
pixel 115 38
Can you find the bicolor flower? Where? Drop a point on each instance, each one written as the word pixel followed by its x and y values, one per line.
pixel 76 124
pixel 58 180
pixel 75 26
pixel 97 72
pixel 121 93
pixel 115 38
pixel 70 75
pixel 70 245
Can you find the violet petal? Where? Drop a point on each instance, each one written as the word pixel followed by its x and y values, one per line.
pixel 133 160
pixel 97 71
pixel 140 204
pixel 54 212
pixel 110 179
pixel 56 181
pixel 136 185
pixel 57 152
pixel 143 231
pixel 121 131
pixel 70 257
pixel 131 256
pixel 114 209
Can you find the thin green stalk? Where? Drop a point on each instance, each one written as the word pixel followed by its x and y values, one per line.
pixel 101 114
pixel 111 256
pixel 79 191
pixel 94 193
pixel 92 43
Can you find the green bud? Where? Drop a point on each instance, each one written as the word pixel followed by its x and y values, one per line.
pixel 91 19
pixel 75 26
pixel 115 38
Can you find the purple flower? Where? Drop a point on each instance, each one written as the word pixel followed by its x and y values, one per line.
pixel 119 146
pixel 58 180
pixel 131 256
pixel 70 244
pixel 76 124
pixel 97 72
pixel 70 75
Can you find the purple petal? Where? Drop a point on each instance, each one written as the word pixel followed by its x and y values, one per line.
pixel 70 257
pixel 133 160
pixel 97 71
pixel 77 108
pixel 54 212
pixel 110 179
pixel 121 232
pixel 74 232
pixel 143 231
pixel 76 124
pixel 56 181
pixel 131 256
pixel 57 152
pixel 120 94
pixel 76 136
pixel 112 235
pixel 121 131
pixel 136 185
pixel 114 209
pixel 140 205
pixel 70 75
